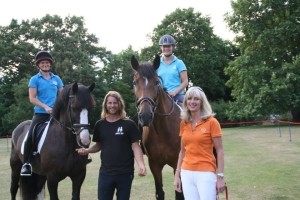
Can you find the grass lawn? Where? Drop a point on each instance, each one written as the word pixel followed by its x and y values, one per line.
pixel 260 164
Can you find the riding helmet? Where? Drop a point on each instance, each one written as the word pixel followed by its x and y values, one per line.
pixel 167 40
pixel 43 55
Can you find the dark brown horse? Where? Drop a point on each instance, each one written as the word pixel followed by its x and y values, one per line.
pixel 159 116
pixel 68 129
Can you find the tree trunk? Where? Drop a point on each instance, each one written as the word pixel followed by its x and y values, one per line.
pixel 296 115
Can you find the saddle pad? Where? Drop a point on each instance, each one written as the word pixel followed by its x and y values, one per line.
pixel 41 142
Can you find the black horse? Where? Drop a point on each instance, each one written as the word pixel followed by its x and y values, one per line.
pixel 57 159
pixel 159 116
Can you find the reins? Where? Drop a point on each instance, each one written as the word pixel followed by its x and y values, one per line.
pixel 226 193
pixel 172 108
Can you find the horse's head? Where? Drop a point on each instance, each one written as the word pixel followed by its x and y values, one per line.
pixel 146 88
pixel 72 110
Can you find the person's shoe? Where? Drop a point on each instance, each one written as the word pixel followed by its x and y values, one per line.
pixel 26 169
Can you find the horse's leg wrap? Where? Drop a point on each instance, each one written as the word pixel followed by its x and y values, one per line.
pixel 179 195
pixel 160 194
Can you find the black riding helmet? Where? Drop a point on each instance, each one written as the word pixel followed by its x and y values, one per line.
pixel 43 55
pixel 167 40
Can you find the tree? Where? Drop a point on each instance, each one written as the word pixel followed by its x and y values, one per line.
pixel 204 54
pixel 265 78
pixel 76 53
pixel 119 68
pixel 119 76
pixel 20 110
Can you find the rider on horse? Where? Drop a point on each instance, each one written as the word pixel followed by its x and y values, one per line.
pixel 43 90
pixel 172 70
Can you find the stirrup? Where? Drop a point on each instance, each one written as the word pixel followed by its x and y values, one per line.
pixel 26 169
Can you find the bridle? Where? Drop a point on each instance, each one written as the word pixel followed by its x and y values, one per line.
pixel 149 100
pixel 154 102
pixel 79 127
pixel 74 128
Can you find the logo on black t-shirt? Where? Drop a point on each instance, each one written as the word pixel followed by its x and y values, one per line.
pixel 120 131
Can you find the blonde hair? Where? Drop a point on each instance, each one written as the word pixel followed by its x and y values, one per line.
pixel 205 107
pixel 120 101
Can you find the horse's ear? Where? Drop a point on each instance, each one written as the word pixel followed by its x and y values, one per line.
pixel 156 62
pixel 92 86
pixel 75 88
pixel 134 63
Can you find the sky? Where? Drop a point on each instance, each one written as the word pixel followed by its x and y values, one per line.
pixel 117 23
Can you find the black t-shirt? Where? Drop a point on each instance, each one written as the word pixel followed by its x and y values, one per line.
pixel 115 139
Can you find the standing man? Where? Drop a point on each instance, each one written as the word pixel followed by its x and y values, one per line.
pixel 118 139
pixel 43 90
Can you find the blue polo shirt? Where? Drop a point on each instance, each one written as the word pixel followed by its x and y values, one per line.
pixel 47 90
pixel 170 73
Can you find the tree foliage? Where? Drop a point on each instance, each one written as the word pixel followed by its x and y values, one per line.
pixel 265 77
pixel 119 76
pixel 20 110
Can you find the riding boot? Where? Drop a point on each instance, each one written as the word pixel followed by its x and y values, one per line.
pixel 26 168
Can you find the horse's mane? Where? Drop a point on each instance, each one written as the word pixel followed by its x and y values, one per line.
pixel 146 70
pixel 83 100
pixel 61 100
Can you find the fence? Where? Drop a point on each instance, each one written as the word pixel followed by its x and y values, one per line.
pixel 277 123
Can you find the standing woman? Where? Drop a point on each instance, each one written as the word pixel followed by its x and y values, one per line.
pixel 43 90
pixel 197 174
pixel 172 70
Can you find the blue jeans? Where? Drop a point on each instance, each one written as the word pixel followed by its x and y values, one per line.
pixel 178 98
pixel 107 184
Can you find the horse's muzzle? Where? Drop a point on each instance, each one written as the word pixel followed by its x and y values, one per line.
pixel 145 118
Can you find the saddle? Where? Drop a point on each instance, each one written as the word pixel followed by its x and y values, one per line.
pixel 37 132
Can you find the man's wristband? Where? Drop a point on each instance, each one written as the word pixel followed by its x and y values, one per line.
pixel 220 175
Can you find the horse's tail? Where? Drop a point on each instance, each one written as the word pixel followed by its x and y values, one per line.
pixel 31 186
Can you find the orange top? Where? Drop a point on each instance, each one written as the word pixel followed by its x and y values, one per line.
pixel 198 144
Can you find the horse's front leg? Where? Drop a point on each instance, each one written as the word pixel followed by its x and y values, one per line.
pixel 157 174
pixel 15 177
pixel 52 184
pixel 15 165
pixel 77 181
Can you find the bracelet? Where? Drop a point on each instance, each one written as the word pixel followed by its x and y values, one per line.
pixel 220 174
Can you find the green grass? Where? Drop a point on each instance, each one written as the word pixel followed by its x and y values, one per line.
pixel 259 165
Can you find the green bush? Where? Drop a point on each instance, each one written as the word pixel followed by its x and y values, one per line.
pixel 220 107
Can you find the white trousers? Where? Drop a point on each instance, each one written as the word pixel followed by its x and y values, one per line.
pixel 198 185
